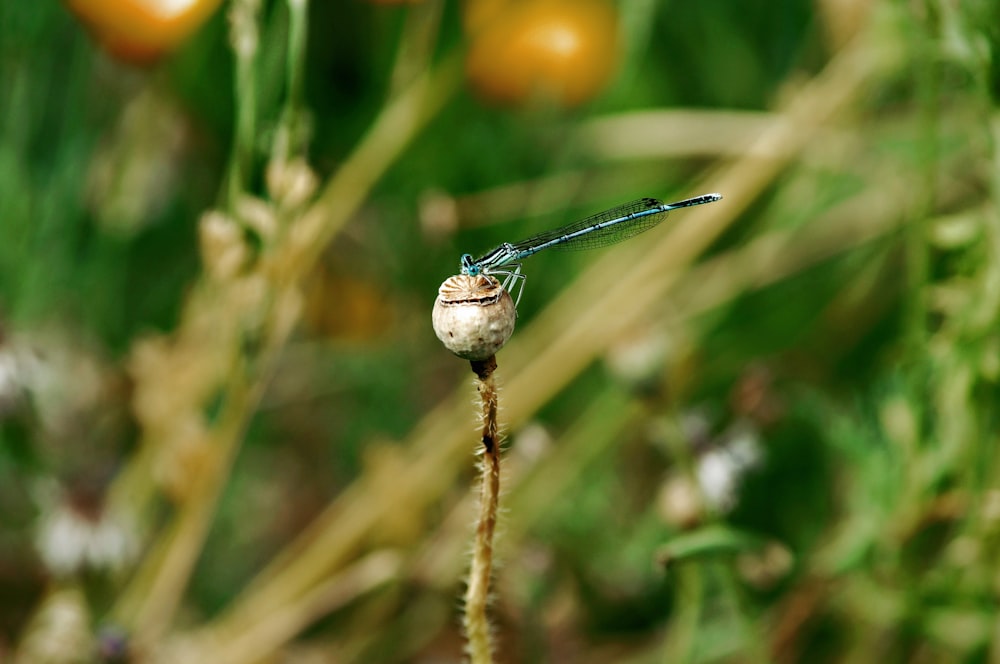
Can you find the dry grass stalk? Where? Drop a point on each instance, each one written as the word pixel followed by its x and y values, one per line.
pixel 477 628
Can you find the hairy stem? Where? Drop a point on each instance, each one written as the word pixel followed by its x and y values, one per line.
pixel 477 628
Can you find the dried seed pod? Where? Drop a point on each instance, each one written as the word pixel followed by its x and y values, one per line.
pixel 473 316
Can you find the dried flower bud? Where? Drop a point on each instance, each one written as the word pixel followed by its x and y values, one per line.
pixel 223 247
pixel 184 455
pixel 473 316
pixel 763 569
pixel 258 216
pixel 291 184
pixel 680 503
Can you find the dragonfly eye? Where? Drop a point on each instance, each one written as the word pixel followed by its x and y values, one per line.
pixel 468 267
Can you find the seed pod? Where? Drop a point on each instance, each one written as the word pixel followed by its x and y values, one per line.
pixel 473 316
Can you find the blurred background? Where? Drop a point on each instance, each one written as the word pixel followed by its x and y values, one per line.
pixel 763 431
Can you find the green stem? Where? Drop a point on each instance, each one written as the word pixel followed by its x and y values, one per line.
pixel 679 645
pixel 245 38
pixel 298 11
pixel 291 140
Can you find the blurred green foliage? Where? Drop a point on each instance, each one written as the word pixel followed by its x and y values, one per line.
pixel 864 528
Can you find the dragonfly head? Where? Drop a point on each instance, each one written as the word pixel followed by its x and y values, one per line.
pixel 469 267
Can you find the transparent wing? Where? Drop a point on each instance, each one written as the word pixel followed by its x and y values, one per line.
pixel 601 229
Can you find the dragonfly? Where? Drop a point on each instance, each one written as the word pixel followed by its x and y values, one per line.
pixel 598 230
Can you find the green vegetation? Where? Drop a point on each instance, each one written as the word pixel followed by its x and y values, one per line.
pixel 764 431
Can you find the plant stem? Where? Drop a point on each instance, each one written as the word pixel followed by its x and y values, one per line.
pixel 245 38
pixel 298 11
pixel 477 628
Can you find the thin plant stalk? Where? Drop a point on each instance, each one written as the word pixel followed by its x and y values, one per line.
pixel 416 44
pixel 476 622
pixel 290 140
pixel 295 73
pixel 245 39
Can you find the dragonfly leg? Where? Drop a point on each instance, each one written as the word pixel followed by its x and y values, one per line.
pixel 515 280
pixel 512 280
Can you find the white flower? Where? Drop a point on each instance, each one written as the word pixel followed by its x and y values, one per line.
pixel 69 540
pixel 721 469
